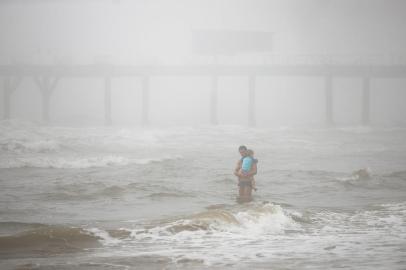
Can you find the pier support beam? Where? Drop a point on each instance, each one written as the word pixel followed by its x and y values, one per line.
pixel 365 100
pixel 10 85
pixel 145 100
pixel 213 100
pixel 107 101
pixel 329 100
pixel 251 101
pixel 46 85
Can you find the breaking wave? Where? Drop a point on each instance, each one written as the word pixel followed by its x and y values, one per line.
pixel 220 224
pixel 361 174
pixel 264 218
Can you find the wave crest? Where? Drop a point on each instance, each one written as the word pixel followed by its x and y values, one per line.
pixel 257 219
pixel 361 174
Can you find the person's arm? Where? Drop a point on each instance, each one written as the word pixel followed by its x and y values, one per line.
pixel 237 168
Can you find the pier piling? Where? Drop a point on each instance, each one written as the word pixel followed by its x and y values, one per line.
pixel 251 101
pixel 145 101
pixel 10 85
pixel 107 101
pixel 46 85
pixel 365 100
pixel 213 100
pixel 329 100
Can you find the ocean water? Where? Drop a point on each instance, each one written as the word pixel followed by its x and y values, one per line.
pixel 165 198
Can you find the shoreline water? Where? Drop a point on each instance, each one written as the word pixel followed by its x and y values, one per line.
pixel 166 198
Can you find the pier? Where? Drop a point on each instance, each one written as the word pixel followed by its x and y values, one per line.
pixel 47 78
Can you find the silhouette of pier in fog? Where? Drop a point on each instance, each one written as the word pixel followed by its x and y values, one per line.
pixel 47 78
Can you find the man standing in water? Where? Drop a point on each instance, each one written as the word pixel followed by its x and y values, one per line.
pixel 245 181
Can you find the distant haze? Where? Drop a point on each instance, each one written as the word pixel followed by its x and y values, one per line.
pixel 160 32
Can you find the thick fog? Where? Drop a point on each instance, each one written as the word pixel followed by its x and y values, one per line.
pixel 166 33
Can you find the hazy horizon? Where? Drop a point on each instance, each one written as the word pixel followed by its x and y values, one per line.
pixel 195 32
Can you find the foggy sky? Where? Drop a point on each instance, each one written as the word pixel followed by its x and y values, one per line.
pixel 160 32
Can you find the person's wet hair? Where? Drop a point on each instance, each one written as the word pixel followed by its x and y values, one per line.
pixel 242 148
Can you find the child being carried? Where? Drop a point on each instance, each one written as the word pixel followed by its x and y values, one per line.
pixel 246 166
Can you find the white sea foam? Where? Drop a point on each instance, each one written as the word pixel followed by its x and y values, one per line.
pixel 105 237
pixel 78 162
pixel 24 146
pixel 214 236
pixel 361 174
pixel 387 217
pixel 267 219
pixel 398 207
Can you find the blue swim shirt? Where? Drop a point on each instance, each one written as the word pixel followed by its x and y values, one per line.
pixel 247 163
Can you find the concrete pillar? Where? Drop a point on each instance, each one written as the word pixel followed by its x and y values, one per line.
pixel 365 100
pixel 107 101
pixel 46 96
pixel 10 85
pixel 213 100
pixel 329 100
pixel 7 97
pixel 251 101
pixel 46 85
pixel 145 100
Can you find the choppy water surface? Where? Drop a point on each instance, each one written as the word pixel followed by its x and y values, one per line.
pixel 133 198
